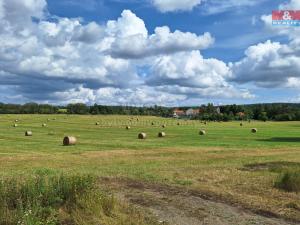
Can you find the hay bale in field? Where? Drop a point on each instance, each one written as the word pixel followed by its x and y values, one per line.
pixel 142 136
pixel 15 125
pixel 128 127
pixel 254 130
pixel 28 133
pixel 44 125
pixel 241 124
pixel 161 134
pixel 202 132
pixel 178 124
pixel 164 126
pixel 97 123
pixel 16 120
pixel 69 140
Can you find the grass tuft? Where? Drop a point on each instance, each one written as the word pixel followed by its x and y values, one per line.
pixel 289 181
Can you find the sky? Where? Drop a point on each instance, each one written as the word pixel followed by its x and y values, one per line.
pixel 147 52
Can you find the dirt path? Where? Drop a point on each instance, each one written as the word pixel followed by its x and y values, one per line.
pixel 175 206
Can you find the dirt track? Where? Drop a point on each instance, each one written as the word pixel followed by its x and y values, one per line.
pixel 175 206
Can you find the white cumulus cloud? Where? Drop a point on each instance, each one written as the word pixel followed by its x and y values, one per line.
pixel 68 60
pixel 175 5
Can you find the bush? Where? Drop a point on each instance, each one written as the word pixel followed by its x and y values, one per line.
pixel 289 181
pixel 37 199
pixel 52 199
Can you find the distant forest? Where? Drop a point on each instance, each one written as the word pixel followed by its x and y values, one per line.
pixel 264 112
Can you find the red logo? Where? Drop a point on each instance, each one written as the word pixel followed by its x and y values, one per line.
pixel 286 15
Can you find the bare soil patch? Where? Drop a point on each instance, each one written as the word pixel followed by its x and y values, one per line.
pixel 180 206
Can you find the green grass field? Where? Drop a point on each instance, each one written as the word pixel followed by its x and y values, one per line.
pixel 229 162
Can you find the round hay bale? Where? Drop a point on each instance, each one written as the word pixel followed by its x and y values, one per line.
pixel 16 120
pixel 164 126
pixel 69 140
pixel 254 130
pixel 44 125
pixel 241 124
pixel 202 132
pixel 97 123
pixel 15 125
pixel 178 124
pixel 128 127
pixel 142 136
pixel 161 134
pixel 28 133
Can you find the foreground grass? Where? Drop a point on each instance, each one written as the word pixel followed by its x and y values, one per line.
pixel 289 181
pixel 229 162
pixel 48 199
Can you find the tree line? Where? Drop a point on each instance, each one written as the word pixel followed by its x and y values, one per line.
pixel 82 109
pixel 264 112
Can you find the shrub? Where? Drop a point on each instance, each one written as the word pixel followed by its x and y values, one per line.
pixel 38 198
pixel 48 198
pixel 289 181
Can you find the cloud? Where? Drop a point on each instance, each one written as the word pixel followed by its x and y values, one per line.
pixel 139 96
pixel 189 70
pixel 61 60
pixel 222 92
pixel 175 5
pixel 271 64
pixel 216 6
pixel 194 76
pixel 161 42
pixel 292 5
pixel 17 13
pixel 208 7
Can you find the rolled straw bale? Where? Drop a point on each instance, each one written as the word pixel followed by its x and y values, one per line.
pixel 202 132
pixel 69 140
pixel 254 130
pixel 161 134
pixel 142 136
pixel 28 133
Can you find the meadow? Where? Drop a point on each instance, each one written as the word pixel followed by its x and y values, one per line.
pixel 229 163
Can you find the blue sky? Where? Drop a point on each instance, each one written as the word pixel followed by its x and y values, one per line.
pixel 146 52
